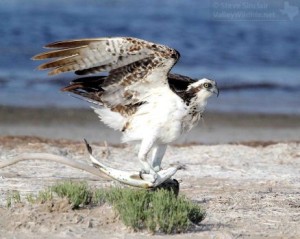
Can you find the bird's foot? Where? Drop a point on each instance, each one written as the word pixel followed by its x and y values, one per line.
pixel 164 175
pixel 159 177
pixel 148 176
pixel 147 168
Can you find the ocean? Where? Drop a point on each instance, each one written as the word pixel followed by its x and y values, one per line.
pixel 251 48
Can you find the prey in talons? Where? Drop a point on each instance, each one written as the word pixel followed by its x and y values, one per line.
pixel 132 178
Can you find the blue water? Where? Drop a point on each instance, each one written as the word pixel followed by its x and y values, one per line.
pixel 256 61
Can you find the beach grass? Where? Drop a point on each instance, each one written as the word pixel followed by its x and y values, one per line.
pixel 78 193
pixel 12 198
pixel 156 211
pixel 139 209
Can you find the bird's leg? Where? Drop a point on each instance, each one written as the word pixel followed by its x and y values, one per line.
pixel 159 176
pixel 157 156
pixel 145 148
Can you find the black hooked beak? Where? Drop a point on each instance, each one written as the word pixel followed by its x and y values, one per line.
pixel 216 91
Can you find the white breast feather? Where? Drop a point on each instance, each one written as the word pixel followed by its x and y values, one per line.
pixel 160 117
pixel 110 118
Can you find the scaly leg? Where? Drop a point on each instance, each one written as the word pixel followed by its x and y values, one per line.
pixel 157 156
pixel 146 146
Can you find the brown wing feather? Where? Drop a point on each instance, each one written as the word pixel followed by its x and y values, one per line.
pixel 59 53
pixel 72 43
pixel 112 53
pixel 56 63
pixel 91 88
pixel 129 62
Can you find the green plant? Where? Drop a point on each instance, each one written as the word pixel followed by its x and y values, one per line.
pixel 132 206
pixel 157 210
pixel 77 193
pixel 100 196
pixel 13 197
pixel 44 196
pixel 30 198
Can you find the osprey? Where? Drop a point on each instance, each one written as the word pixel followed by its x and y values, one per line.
pixel 139 96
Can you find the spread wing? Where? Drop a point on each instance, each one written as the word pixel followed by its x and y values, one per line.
pixel 134 67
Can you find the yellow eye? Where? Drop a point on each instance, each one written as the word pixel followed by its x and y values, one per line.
pixel 207 85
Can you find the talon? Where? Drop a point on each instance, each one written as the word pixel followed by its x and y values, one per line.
pixel 148 171
pixel 149 177
pixel 144 171
pixel 140 174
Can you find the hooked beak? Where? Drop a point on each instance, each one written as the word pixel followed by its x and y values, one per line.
pixel 215 90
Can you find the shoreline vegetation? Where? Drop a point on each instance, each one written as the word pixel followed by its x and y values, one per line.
pixel 139 209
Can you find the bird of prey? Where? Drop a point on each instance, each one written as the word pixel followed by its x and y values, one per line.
pixel 138 96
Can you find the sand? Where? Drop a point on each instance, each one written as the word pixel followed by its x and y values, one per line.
pixel 77 124
pixel 244 170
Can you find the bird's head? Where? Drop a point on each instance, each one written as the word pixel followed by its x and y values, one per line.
pixel 202 89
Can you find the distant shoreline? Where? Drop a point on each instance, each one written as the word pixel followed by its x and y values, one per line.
pixel 76 124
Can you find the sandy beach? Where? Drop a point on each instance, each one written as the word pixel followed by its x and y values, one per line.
pixel 215 128
pixel 243 169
